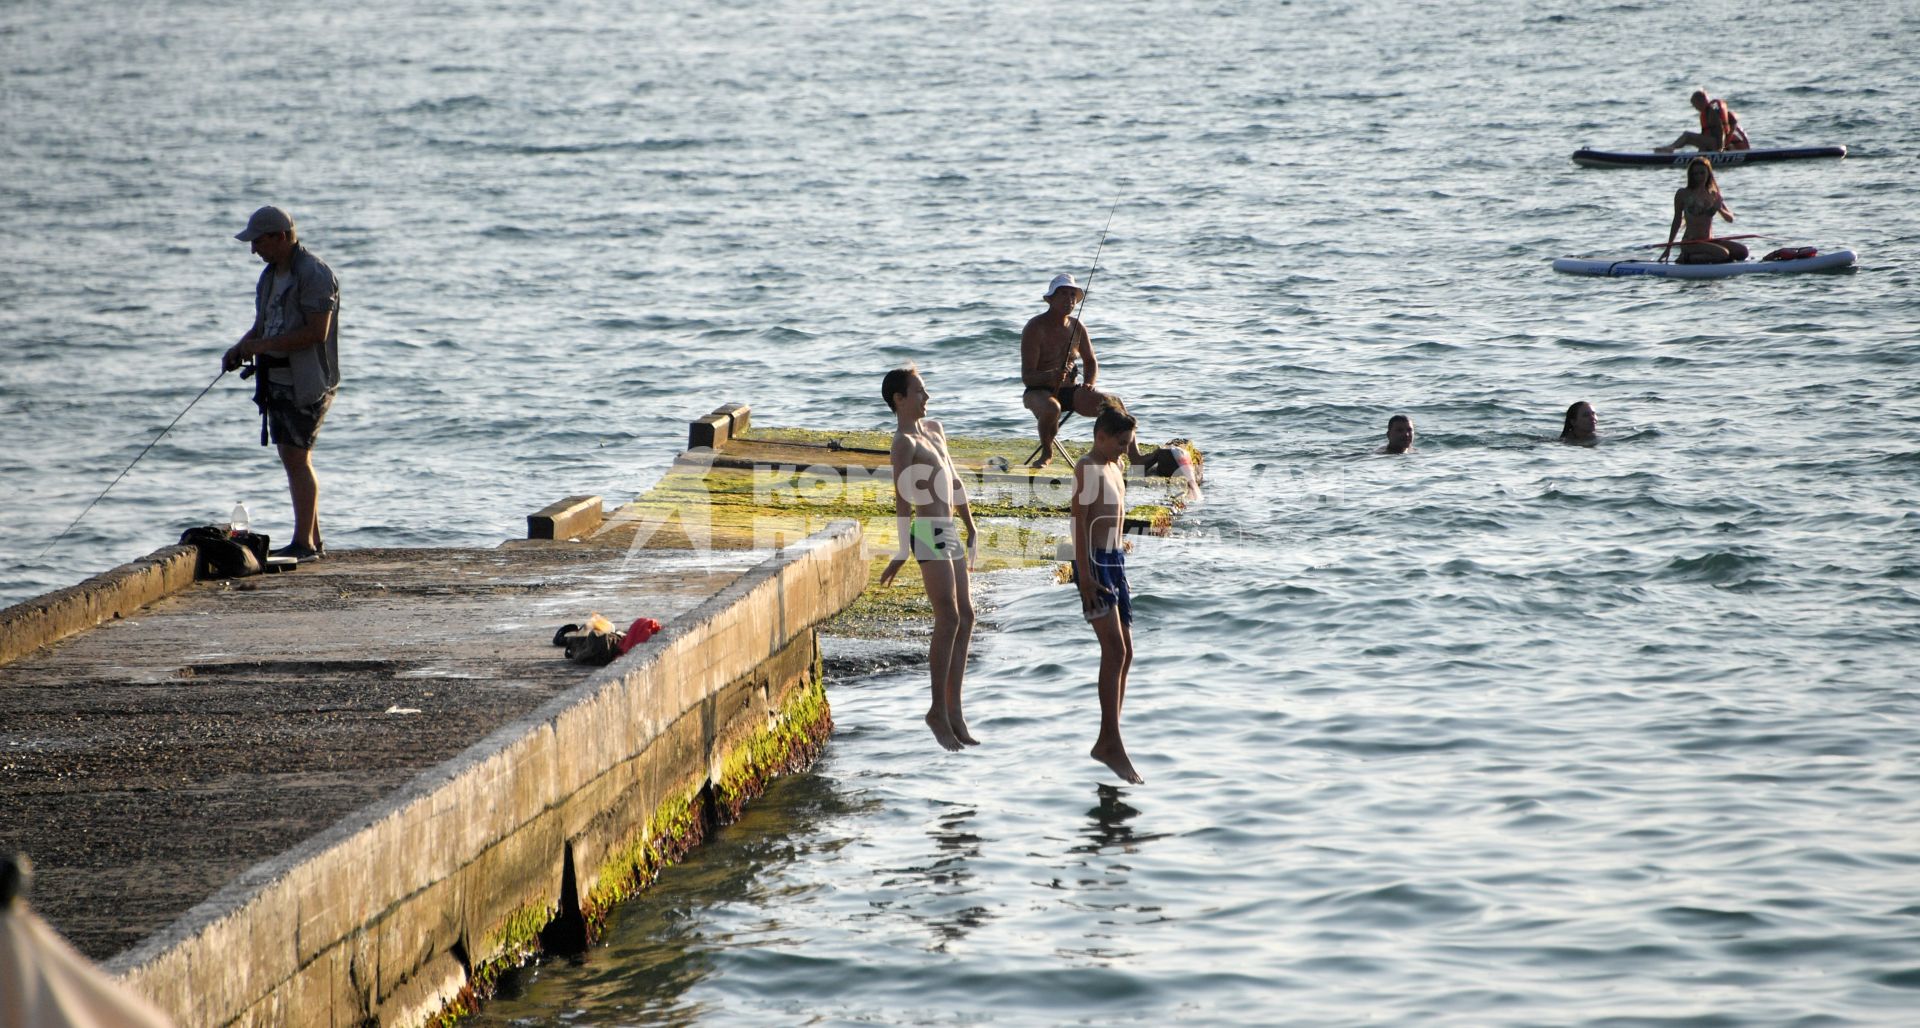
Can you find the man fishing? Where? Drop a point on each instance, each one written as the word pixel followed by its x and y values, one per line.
pixel 294 346
pixel 1051 345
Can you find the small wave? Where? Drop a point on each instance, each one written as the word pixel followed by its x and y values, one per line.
pixel 1907 979
pixel 563 149
pixel 470 102
pixel 1704 917
pixel 1397 906
pixel 511 232
pixel 1385 748
pixel 1725 568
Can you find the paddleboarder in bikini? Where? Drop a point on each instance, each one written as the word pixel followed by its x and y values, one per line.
pixel 927 496
pixel 1695 205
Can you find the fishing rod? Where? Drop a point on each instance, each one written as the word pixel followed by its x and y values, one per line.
pixel 136 460
pixel 1087 290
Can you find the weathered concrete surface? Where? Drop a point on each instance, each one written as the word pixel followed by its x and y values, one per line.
pixel 149 762
pixel 380 917
pixel 293 757
pixel 25 627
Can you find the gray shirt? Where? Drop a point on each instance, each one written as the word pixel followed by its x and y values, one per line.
pixel 281 303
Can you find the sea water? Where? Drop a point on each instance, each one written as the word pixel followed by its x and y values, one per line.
pixel 1500 732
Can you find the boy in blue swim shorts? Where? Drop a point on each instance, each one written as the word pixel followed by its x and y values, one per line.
pixel 1100 569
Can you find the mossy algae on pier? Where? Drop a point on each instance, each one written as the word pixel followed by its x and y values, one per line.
pixel 771 486
pixel 790 741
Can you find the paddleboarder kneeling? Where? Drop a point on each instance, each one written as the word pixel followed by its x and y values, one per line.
pixel 1695 204
pixel 1100 570
pixel 927 496
pixel 295 348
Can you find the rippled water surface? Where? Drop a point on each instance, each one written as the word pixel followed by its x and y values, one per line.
pixel 1503 732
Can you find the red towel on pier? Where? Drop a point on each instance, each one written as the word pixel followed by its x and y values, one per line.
pixel 640 631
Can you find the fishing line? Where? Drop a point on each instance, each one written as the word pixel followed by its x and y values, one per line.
pixel 1087 290
pixel 136 460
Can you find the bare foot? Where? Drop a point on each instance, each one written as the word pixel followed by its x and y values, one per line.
pixel 959 726
pixel 1043 460
pixel 942 732
pixel 1663 149
pixel 1114 755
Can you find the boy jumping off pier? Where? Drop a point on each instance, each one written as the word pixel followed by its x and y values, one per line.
pixel 927 495
pixel 1100 569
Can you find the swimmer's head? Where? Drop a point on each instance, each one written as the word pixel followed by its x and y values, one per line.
pixel 1698 99
pixel 901 383
pixel 1581 423
pixel 1399 434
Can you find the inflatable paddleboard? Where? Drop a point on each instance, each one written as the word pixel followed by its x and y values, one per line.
pixel 1835 261
pixel 1590 158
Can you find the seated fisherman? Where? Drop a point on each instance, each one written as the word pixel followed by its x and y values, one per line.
pixel 1050 347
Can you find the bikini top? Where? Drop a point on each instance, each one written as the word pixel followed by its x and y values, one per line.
pixel 1696 205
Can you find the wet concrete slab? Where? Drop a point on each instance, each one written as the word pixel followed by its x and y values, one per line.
pixel 149 761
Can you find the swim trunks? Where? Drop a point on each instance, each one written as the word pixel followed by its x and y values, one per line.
pixel 1110 586
pixel 936 539
pixel 289 423
pixel 1063 395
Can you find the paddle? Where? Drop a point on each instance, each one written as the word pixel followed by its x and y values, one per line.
pixel 1715 239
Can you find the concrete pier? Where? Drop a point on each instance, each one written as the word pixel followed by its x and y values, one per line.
pixel 340 794
pixel 352 793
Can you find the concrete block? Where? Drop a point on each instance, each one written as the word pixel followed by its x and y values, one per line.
pixel 738 418
pixel 710 432
pixel 570 518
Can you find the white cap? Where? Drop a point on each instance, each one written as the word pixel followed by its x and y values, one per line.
pixel 1062 282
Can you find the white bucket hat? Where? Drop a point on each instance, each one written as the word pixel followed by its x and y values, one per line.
pixel 1062 282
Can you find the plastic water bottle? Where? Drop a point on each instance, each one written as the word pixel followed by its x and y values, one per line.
pixel 239 522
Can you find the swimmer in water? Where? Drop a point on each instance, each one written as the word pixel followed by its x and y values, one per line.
pixel 1399 435
pixel 927 496
pixel 1581 424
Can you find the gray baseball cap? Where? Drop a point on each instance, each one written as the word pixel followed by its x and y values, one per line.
pixel 265 220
